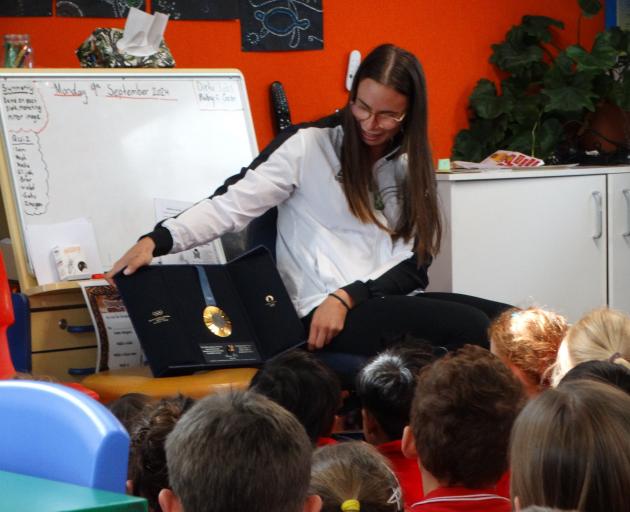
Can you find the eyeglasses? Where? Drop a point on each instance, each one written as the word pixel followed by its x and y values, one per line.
pixel 386 120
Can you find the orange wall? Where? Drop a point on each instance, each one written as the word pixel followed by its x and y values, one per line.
pixel 451 38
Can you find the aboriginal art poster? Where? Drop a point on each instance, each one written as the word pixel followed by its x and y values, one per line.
pixel 197 9
pixel 97 8
pixel 281 25
pixel 25 8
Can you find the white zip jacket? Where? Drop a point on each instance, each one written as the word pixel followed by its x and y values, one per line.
pixel 320 245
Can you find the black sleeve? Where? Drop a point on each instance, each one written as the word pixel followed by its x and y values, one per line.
pixel 401 279
pixel 162 239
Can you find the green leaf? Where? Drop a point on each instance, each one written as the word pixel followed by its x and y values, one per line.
pixel 590 7
pixel 548 137
pixel 513 59
pixel 538 27
pixel 486 103
pixel 602 57
pixel 527 110
pixel 620 91
pixel 570 97
pixel 481 139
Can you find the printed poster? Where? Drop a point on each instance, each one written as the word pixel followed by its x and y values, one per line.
pixel 197 9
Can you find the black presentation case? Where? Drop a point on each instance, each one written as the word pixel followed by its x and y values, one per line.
pixel 166 304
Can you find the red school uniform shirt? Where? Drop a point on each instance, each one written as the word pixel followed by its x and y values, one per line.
pixel 406 470
pixel 456 499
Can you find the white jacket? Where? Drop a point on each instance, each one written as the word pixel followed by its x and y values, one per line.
pixel 320 245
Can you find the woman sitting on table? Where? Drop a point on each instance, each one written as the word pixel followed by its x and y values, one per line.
pixel 358 221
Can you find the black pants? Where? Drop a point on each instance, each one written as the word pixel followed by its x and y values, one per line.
pixel 443 319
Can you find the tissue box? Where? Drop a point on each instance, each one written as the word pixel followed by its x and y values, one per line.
pixel 71 263
pixel 99 50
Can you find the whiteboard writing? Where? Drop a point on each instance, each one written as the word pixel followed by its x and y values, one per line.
pixel 217 95
pixel 23 106
pixel 101 146
pixel 31 173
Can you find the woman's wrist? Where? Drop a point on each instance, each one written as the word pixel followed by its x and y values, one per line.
pixel 343 298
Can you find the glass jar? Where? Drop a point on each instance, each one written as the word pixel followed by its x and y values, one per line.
pixel 18 52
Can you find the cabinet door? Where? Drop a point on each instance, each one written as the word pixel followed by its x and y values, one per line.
pixel 529 241
pixel 619 241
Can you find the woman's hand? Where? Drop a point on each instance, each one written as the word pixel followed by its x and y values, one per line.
pixel 328 320
pixel 138 256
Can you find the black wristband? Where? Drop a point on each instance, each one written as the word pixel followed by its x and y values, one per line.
pixel 347 306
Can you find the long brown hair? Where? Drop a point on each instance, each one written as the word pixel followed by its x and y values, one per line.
pixel 396 68
pixel 570 449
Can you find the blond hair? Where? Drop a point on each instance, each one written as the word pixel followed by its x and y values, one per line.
pixel 529 340
pixel 354 472
pixel 601 335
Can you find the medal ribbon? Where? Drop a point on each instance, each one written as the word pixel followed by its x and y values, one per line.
pixel 208 296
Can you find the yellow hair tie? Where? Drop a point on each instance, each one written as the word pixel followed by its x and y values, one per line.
pixel 351 506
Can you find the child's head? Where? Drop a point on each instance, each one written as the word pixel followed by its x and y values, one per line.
pixel 527 342
pixel 462 413
pixel 148 474
pixel 304 386
pixel 353 476
pixel 601 371
pixel 385 387
pixel 238 451
pixel 570 449
pixel 601 335
pixel 129 407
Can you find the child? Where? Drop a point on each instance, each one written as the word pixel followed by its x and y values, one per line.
pixel 238 452
pixel 147 461
pixel 129 407
pixel 304 386
pixel 353 477
pixel 385 387
pixel 570 449
pixel 601 335
pixel 602 371
pixel 527 342
pixel 461 416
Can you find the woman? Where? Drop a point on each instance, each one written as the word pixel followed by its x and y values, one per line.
pixel 358 220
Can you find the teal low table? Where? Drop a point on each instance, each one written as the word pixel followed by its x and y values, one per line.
pixel 22 493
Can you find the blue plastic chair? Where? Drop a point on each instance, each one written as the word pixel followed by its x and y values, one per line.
pixel 55 432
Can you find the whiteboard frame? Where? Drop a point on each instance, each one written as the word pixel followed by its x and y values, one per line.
pixel 14 214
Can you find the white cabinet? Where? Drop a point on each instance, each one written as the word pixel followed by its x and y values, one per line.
pixel 619 241
pixel 545 238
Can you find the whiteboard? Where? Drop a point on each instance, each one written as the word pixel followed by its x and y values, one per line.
pixel 105 144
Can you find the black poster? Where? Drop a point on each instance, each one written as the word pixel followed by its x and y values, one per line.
pixel 281 25
pixel 25 8
pixel 97 8
pixel 197 9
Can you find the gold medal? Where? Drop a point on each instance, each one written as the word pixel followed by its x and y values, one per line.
pixel 217 321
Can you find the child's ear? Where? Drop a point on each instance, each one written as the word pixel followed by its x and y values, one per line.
pixel 408 445
pixel 313 503
pixel 129 487
pixel 169 502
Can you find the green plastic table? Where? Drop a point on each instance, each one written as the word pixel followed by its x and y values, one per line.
pixel 23 493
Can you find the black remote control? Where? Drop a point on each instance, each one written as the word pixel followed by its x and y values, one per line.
pixel 280 105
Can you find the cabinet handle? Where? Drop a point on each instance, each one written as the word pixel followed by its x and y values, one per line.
pixel 598 215
pixel 63 324
pixel 626 194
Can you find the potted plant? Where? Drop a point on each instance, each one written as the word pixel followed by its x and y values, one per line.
pixel 546 103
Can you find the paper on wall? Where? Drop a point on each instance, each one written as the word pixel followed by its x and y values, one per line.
pixel 207 254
